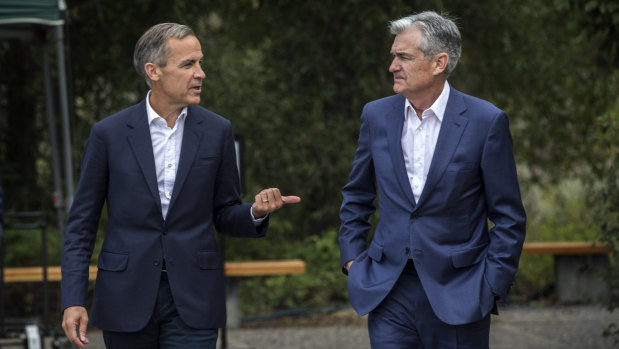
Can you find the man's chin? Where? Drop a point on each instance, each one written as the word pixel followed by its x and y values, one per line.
pixel 194 101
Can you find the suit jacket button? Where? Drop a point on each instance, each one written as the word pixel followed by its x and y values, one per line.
pixel 407 250
pixel 156 262
pixel 415 215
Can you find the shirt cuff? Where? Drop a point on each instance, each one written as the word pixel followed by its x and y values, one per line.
pixel 257 221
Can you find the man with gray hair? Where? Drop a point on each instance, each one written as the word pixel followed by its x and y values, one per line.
pixel 166 169
pixel 441 164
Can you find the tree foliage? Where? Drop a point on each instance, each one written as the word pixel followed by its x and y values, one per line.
pixel 293 77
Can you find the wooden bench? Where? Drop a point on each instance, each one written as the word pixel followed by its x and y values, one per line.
pixel 233 270
pixel 577 266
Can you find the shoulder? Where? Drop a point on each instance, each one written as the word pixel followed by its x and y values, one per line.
pixel 474 105
pixel 128 115
pixel 203 115
pixel 384 105
pixel 386 102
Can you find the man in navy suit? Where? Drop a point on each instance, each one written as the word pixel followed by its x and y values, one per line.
pixel 441 165
pixel 166 170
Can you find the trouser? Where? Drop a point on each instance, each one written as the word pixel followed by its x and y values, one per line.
pixel 164 330
pixel 405 320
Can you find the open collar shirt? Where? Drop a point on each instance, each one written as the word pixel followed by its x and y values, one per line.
pixel 167 144
pixel 167 150
pixel 419 139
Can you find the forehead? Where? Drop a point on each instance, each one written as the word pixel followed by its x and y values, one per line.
pixel 407 41
pixel 184 48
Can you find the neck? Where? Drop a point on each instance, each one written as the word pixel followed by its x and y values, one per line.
pixel 423 101
pixel 167 111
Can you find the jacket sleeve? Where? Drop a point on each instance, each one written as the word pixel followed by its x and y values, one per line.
pixel 504 205
pixel 231 217
pixel 358 198
pixel 83 221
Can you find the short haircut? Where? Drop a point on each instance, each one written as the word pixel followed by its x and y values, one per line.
pixel 440 34
pixel 152 47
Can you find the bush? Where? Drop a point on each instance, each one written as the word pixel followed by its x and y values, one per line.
pixel 555 212
pixel 322 285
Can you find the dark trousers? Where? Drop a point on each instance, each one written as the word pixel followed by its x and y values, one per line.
pixel 164 330
pixel 405 320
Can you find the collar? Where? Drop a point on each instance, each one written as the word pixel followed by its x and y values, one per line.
pixel 152 114
pixel 438 107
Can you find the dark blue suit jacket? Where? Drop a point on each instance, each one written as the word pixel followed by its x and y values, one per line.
pixel 118 169
pixel 460 261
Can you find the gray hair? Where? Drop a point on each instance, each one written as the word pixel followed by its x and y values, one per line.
pixel 440 34
pixel 152 47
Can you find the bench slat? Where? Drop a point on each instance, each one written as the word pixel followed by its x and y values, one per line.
pixel 566 248
pixel 232 269
pixel 254 268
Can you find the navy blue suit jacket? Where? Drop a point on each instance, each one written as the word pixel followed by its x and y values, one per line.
pixel 118 169
pixel 472 178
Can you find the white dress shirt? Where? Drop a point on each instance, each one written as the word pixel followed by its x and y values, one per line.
pixel 167 150
pixel 419 139
pixel 167 144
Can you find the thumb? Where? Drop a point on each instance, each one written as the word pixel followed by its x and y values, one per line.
pixel 291 199
pixel 83 325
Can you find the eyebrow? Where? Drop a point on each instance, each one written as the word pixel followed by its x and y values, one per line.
pixel 190 60
pixel 401 54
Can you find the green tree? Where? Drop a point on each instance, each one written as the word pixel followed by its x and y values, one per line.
pixel 293 77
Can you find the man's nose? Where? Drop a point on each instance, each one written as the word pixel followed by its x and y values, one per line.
pixel 200 73
pixel 394 66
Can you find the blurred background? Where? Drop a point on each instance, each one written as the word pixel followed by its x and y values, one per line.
pixel 293 76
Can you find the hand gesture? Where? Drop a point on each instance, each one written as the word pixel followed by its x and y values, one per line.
pixel 269 200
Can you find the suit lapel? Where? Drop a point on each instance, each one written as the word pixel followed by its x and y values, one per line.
pixel 395 123
pixel 142 146
pixel 191 141
pixel 452 127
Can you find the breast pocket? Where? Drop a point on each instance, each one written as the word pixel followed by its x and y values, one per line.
pixel 206 161
pixel 460 167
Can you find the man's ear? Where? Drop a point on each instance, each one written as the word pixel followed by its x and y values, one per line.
pixel 440 63
pixel 152 71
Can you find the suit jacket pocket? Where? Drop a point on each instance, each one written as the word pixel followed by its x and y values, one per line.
pixel 206 160
pixel 112 261
pixel 465 258
pixel 210 260
pixel 460 166
pixel 375 252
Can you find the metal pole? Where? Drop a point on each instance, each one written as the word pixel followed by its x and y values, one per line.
pixel 43 225
pixel 2 333
pixel 64 110
pixel 50 107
